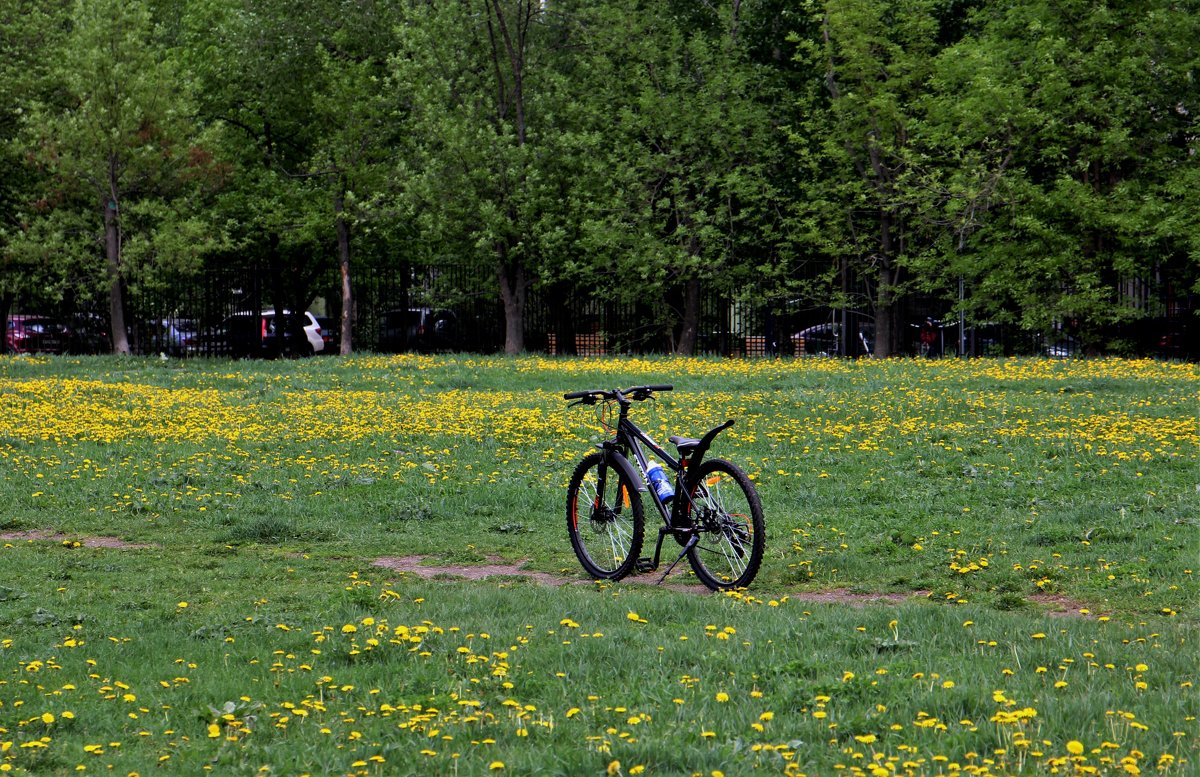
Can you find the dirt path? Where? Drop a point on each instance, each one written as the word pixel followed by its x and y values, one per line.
pixel 430 568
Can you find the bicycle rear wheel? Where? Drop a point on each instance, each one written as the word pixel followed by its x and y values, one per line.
pixel 604 519
pixel 728 517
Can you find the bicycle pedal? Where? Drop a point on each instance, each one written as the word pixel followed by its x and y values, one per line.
pixel 646 565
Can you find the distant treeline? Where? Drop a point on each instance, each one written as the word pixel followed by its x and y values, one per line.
pixel 1030 164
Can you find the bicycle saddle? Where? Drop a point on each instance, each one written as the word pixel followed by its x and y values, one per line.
pixel 685 444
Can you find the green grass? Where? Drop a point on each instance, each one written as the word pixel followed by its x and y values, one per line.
pixel 1033 525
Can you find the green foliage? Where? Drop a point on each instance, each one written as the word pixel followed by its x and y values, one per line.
pixel 844 155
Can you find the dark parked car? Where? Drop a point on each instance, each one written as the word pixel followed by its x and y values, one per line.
pixel 89 334
pixel 331 334
pixel 419 329
pixel 36 334
pixel 248 335
pixel 825 340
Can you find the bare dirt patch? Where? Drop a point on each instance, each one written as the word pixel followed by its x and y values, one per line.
pixel 46 535
pixel 429 567
pixel 421 566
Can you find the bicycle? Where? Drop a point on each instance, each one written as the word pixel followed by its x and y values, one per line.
pixel 711 509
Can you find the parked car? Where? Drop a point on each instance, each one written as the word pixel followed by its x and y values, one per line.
pixel 419 329
pixel 825 340
pixel 89 334
pixel 244 335
pixel 173 336
pixel 1061 347
pixel 36 334
pixel 331 334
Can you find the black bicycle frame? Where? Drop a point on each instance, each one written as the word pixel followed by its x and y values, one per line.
pixel 630 438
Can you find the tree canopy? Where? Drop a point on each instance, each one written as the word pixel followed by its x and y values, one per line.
pixel 1028 163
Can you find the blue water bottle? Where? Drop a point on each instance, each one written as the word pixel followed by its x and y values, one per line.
pixel 660 482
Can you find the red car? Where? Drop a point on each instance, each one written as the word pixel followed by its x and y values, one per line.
pixel 36 334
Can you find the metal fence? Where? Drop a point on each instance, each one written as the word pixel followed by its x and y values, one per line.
pixel 564 320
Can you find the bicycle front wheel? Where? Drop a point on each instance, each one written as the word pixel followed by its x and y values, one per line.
pixel 728 518
pixel 604 519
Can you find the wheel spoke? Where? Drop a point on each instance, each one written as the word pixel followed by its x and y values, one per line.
pixel 729 521
pixel 604 523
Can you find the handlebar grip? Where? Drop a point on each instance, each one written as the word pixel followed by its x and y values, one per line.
pixel 661 387
pixel 577 395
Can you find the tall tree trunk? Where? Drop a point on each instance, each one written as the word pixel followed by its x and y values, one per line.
pixel 689 331
pixel 513 288
pixel 112 253
pixel 885 297
pixel 343 242
pixel 509 38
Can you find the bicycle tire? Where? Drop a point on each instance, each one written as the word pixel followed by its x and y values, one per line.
pixel 606 529
pixel 732 533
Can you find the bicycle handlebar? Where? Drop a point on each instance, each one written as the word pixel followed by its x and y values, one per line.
pixel 633 392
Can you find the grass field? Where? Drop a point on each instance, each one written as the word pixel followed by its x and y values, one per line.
pixel 973 567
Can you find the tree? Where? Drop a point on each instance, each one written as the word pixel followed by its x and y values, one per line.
pixel 119 137
pixel 354 138
pixel 256 64
pixel 876 58
pixel 29 33
pixel 691 153
pixel 1104 202
pixel 484 175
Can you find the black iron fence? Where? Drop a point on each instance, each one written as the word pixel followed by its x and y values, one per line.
pixel 571 321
